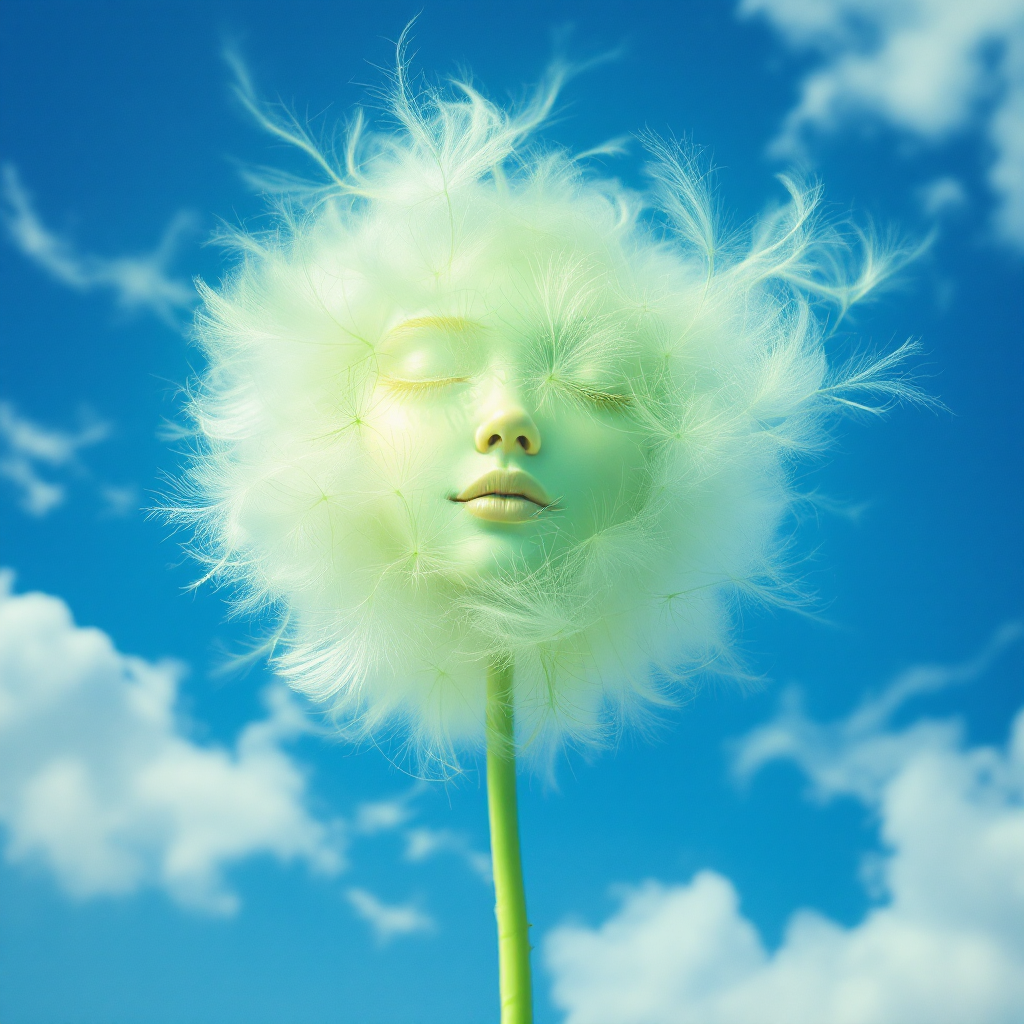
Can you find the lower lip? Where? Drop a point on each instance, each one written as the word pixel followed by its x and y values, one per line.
pixel 501 508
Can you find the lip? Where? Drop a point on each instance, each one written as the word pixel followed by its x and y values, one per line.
pixel 506 495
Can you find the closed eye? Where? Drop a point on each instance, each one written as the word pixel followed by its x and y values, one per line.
pixel 595 396
pixel 401 384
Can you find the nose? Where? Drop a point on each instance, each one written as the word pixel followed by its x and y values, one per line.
pixel 508 428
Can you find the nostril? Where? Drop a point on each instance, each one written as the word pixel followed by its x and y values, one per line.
pixel 507 429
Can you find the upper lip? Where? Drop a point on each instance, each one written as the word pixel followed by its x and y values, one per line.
pixel 507 483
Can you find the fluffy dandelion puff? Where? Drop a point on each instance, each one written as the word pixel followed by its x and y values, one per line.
pixel 321 479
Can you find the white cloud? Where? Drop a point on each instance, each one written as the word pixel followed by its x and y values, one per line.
pixel 388 921
pixel 423 843
pixel 942 195
pixel 933 68
pixel 858 756
pixel 30 452
pixel 375 816
pixel 945 946
pixel 43 444
pixel 100 783
pixel 37 497
pixel 120 501
pixel 26 447
pixel 139 282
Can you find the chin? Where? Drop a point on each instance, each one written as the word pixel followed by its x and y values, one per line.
pixel 502 550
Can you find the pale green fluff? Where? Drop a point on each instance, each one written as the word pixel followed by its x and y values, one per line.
pixel 459 212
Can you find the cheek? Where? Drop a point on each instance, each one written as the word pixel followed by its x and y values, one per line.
pixel 600 469
pixel 429 433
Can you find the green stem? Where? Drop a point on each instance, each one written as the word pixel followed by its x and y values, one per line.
pixel 510 896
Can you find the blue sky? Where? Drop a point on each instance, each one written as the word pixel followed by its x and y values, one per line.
pixel 181 844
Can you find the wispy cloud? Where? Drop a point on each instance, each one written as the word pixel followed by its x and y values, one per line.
pixel 27 448
pixel 945 944
pixel 37 496
pixel 388 921
pixel 138 282
pixel 942 195
pixel 119 501
pixel 373 816
pixel 424 843
pixel 932 68
pixel 857 755
pixel 421 842
pixel 100 783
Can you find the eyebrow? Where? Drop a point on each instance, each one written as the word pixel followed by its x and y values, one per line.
pixel 455 324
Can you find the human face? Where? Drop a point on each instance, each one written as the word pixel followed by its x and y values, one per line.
pixel 530 455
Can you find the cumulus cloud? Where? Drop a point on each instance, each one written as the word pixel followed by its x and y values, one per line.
pixel 140 282
pixel 101 784
pixel 32 455
pixel 933 68
pixel 945 944
pixel 388 921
